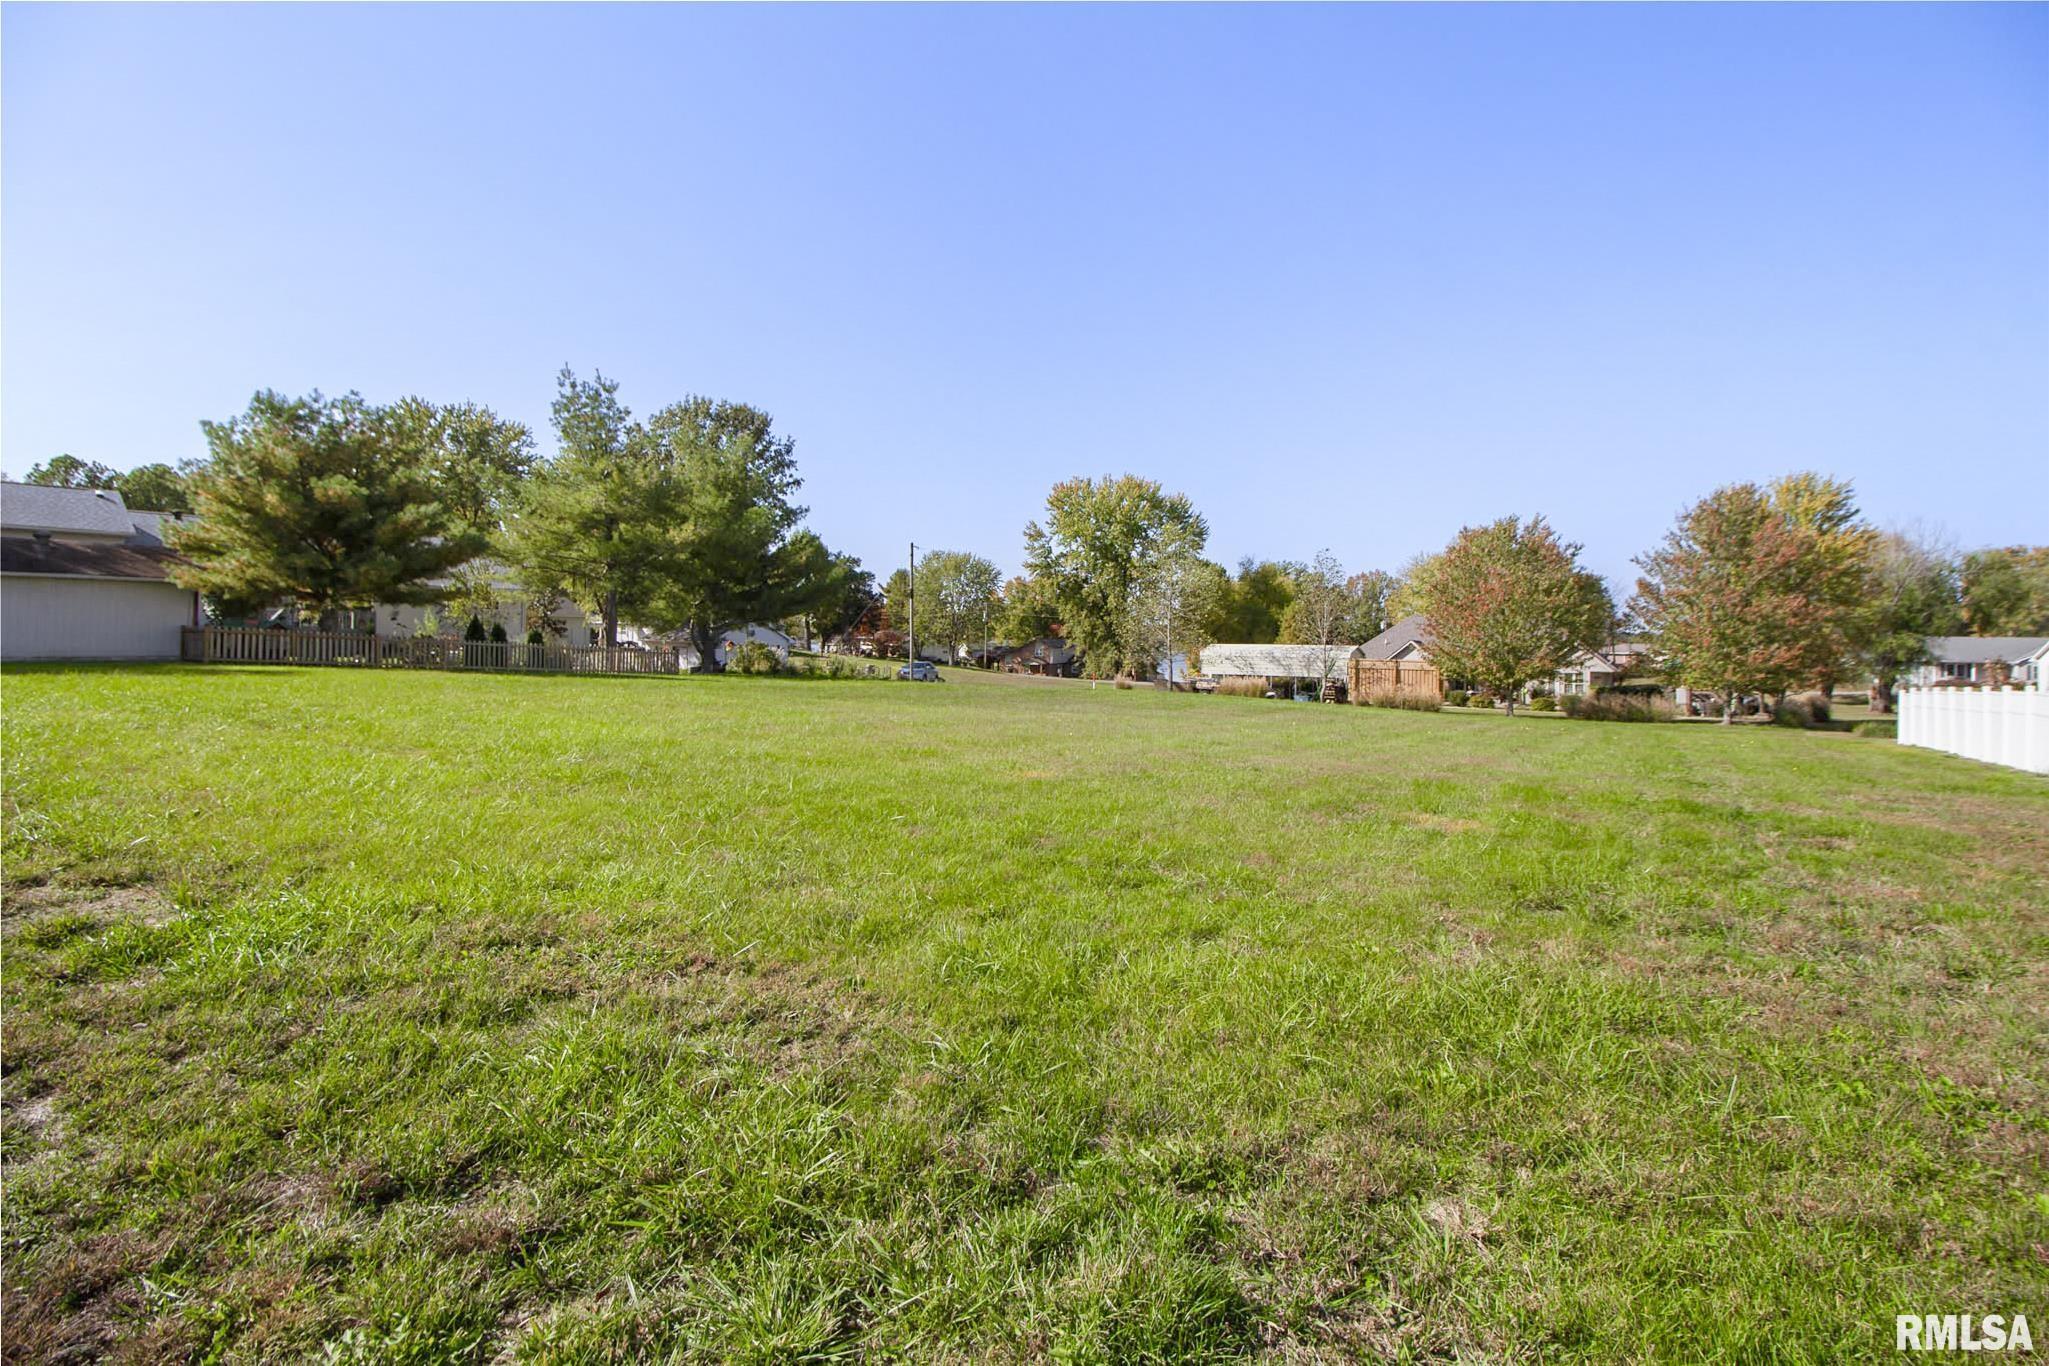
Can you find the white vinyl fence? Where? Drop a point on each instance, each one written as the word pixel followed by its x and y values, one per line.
pixel 2007 726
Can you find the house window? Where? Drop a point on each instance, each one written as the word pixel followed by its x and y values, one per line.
pixel 1966 672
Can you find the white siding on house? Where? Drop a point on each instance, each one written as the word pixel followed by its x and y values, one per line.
pixel 68 617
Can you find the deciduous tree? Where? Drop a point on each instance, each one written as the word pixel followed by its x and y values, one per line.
pixel 2006 591
pixel 957 598
pixel 1508 603
pixel 1173 603
pixel 1835 572
pixel 1729 600
pixel 1913 595
pixel 1252 612
pixel 155 487
pixel 1027 611
pixel 1098 543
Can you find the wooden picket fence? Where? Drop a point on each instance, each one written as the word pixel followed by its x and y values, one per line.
pixel 354 649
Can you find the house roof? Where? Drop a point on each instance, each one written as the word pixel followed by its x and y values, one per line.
pixel 149 526
pixel 84 559
pixel 78 512
pixel 1052 649
pixel 1389 644
pixel 1275 661
pixel 1984 649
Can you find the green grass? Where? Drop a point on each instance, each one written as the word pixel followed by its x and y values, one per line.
pixel 428 1017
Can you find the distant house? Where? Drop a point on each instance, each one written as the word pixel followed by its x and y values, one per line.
pixel 733 637
pixel 1048 655
pixel 1287 669
pixel 1962 660
pixel 84 577
pixel 1407 639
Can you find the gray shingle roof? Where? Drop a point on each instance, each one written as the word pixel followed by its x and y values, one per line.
pixel 81 512
pixel 1984 649
pixel 1276 661
pixel 84 559
pixel 1410 630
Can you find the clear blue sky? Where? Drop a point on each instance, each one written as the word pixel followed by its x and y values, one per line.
pixel 1349 277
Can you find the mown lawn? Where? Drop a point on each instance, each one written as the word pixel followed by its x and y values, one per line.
pixel 426 1017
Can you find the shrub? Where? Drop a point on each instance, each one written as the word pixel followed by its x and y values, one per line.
pixel 498 636
pixel 1480 699
pixel 1403 701
pixel 1888 729
pixel 1455 698
pixel 1124 682
pixel 752 657
pixel 475 630
pixel 534 637
pixel 1608 706
pixel 1242 687
pixel 1545 703
pixel 1807 709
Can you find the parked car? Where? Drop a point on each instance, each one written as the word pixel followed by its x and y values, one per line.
pixel 920 671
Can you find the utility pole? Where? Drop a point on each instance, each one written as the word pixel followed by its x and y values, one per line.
pixel 985 634
pixel 911 609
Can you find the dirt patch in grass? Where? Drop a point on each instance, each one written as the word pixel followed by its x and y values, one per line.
pixel 22 908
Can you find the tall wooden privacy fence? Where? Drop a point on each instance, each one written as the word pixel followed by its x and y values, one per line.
pixel 1372 678
pixel 352 649
pixel 2007 726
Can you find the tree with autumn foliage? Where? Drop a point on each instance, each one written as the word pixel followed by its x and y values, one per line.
pixel 1738 599
pixel 1836 571
pixel 1508 602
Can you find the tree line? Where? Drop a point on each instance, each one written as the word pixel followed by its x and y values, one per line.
pixel 1757 589
pixel 686 522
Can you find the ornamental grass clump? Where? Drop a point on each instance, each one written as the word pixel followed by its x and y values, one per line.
pixel 1609 706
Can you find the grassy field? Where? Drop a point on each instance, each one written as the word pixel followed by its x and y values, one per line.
pixel 427 1017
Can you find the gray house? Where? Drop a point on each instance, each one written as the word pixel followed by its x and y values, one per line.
pixel 83 577
pixel 1972 659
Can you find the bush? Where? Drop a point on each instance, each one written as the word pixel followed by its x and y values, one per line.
pixel 1455 698
pixel 475 630
pixel 1807 710
pixel 1241 687
pixel 1403 701
pixel 1888 729
pixel 1124 683
pixel 498 636
pixel 1545 703
pixel 752 657
pixel 534 637
pixel 1480 699
pixel 1609 706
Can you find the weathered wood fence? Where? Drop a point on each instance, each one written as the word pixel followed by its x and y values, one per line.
pixel 1371 678
pixel 2007 726
pixel 353 649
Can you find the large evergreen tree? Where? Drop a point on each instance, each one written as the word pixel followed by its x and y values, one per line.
pixel 737 552
pixel 594 523
pixel 330 503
